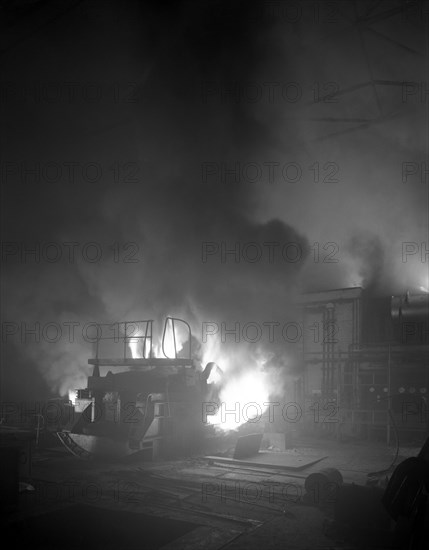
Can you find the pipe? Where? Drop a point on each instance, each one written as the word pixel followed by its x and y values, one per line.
pixel 410 307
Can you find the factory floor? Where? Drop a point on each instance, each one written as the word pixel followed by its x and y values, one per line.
pixel 189 503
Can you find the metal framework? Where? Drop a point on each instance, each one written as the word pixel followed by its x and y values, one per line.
pixel 140 332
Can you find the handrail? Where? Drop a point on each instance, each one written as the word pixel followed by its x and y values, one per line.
pixel 147 336
pixel 173 320
pixel 125 337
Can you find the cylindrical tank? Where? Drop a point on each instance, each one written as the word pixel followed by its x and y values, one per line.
pixel 410 307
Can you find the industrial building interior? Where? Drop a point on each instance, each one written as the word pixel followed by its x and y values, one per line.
pixel 215 281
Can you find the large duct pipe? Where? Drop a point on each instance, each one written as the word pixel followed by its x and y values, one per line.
pixel 410 307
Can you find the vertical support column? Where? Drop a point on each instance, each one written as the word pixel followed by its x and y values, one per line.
pixel 339 379
pixel 389 393
pixel 125 339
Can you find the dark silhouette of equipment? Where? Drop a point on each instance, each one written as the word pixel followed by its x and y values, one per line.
pixel 153 404
pixel 406 500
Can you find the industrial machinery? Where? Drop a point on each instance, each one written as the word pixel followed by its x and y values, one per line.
pixel 152 404
pixel 410 307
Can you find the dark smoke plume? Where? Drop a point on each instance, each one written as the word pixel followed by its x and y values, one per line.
pixel 170 132
pixel 164 59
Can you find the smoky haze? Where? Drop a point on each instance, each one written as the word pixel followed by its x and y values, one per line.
pixel 172 123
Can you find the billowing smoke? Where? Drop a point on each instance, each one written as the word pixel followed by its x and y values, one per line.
pixel 180 232
pixel 153 232
pixel 368 252
pixel 359 136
